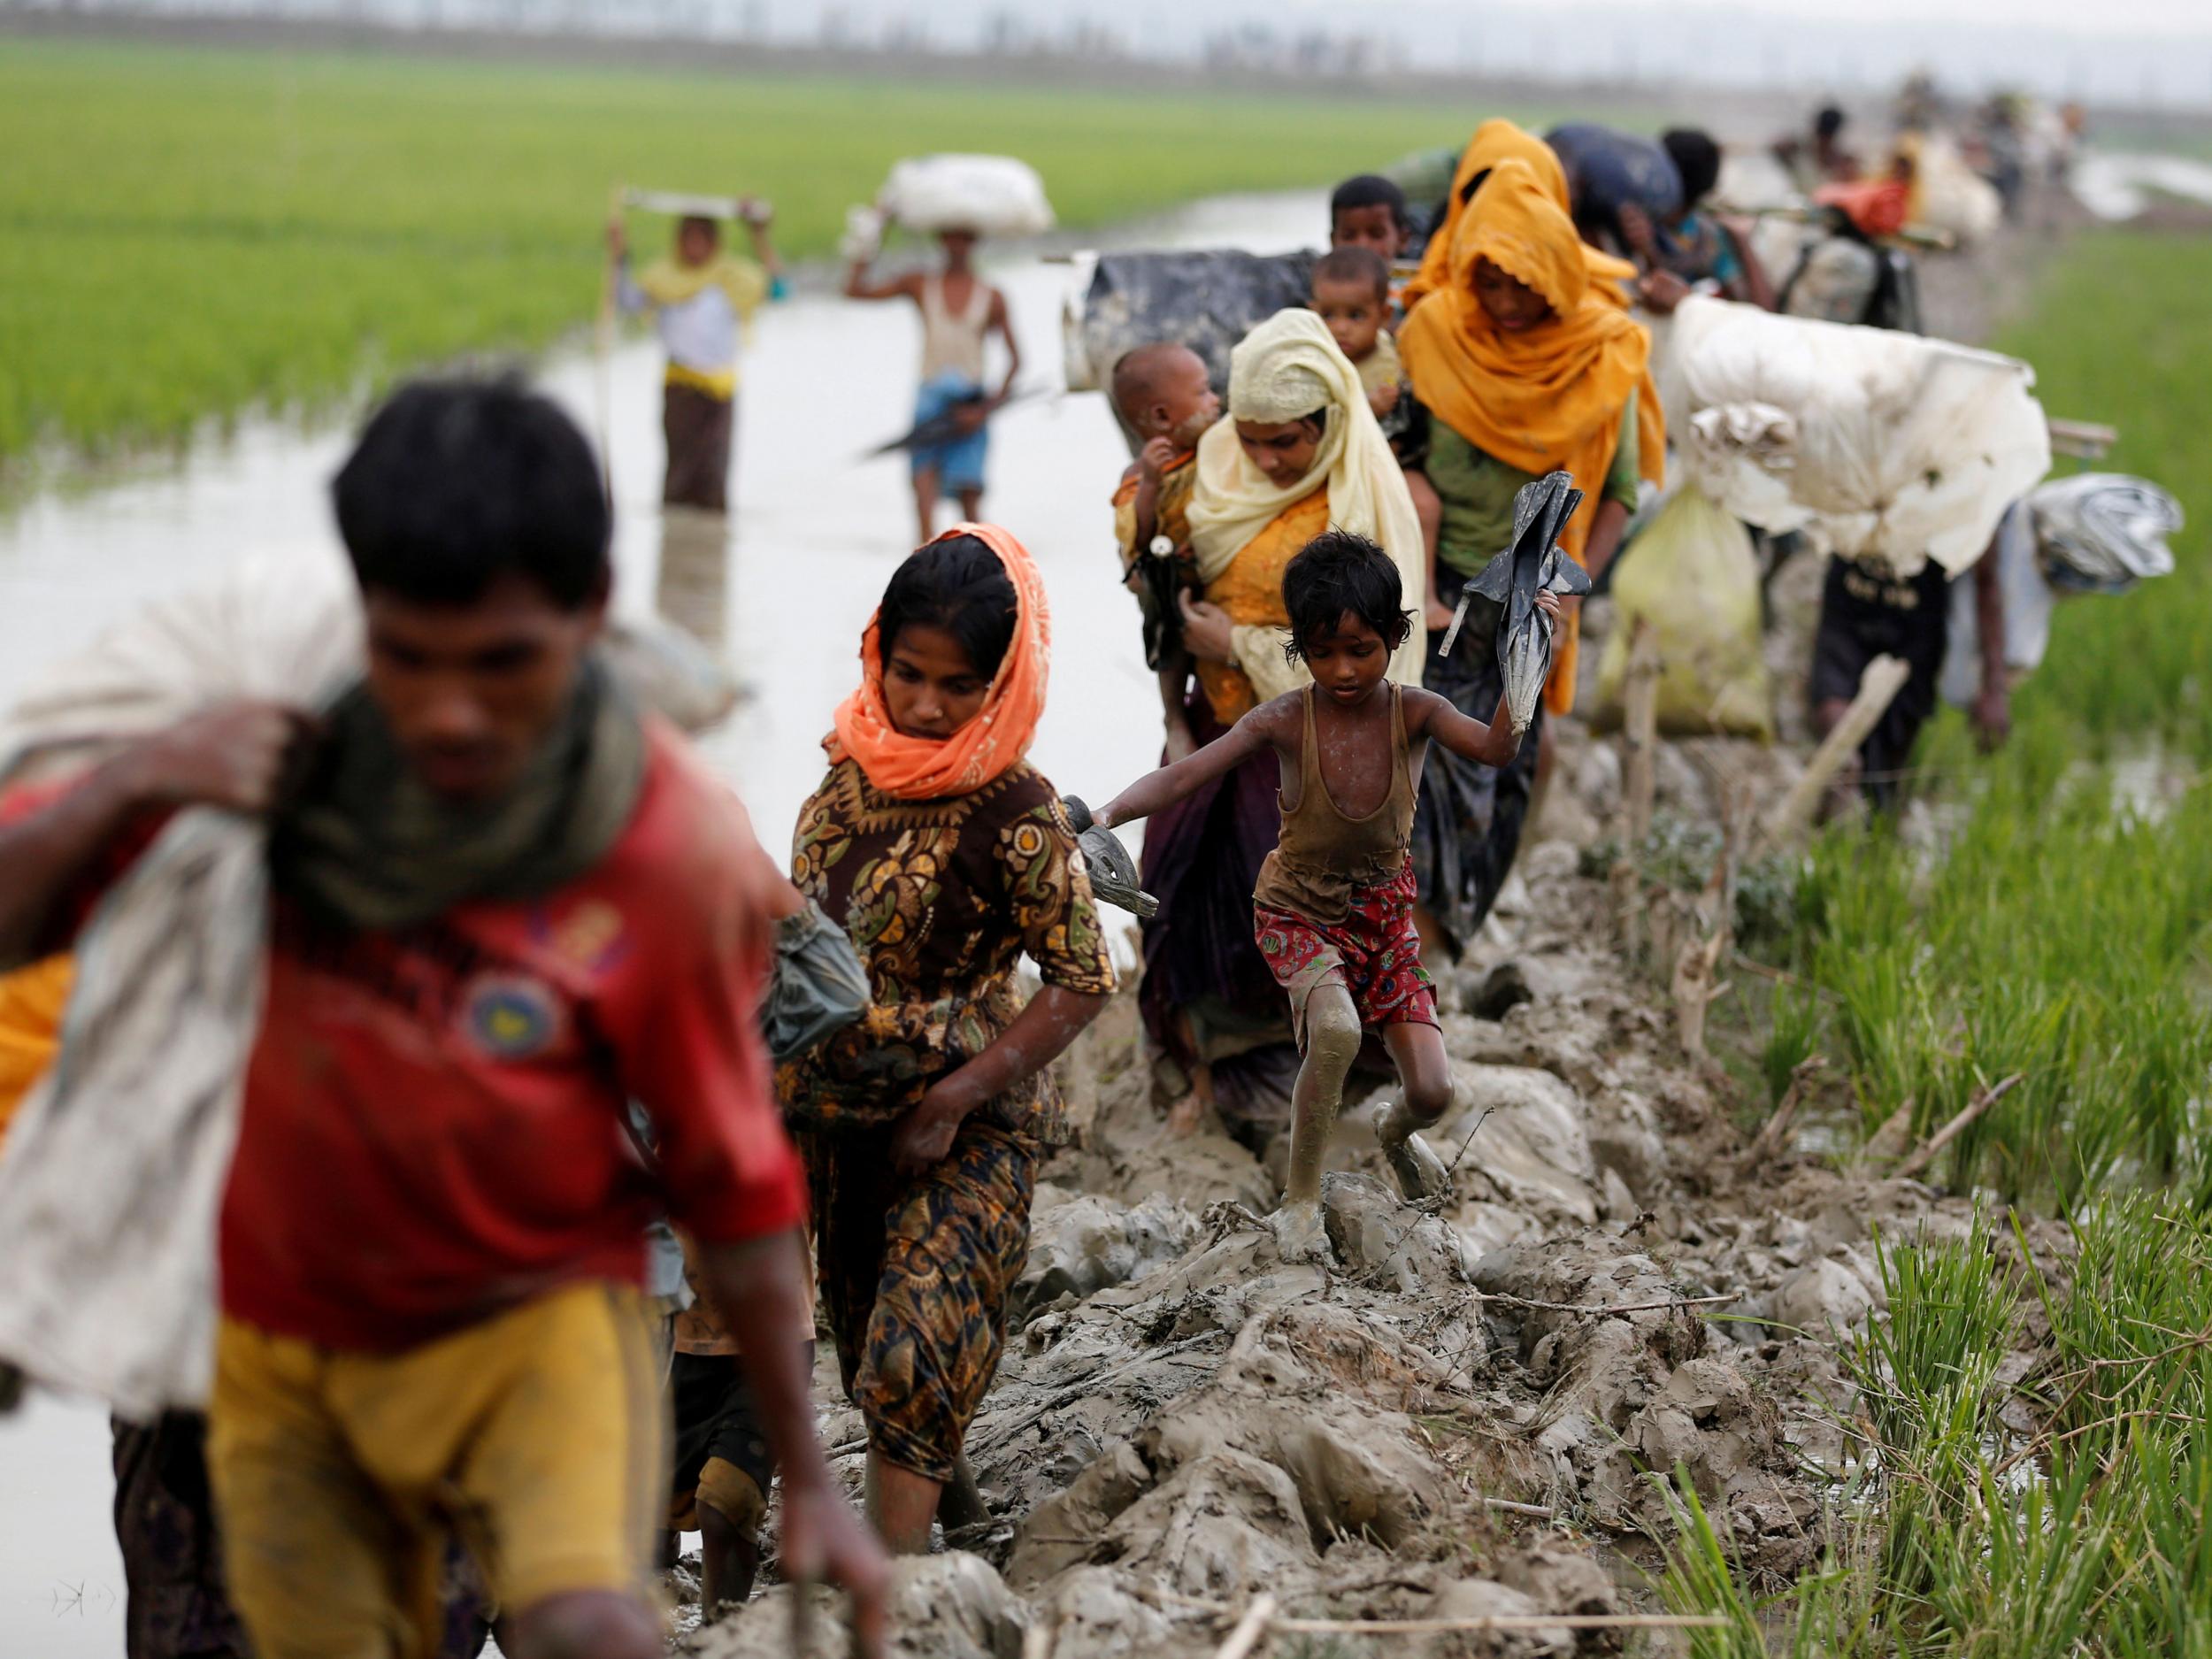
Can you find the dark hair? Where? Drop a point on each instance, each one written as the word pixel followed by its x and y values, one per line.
pixel 1353 264
pixel 1336 572
pixel 1696 158
pixel 958 585
pixel 1370 189
pixel 1829 122
pixel 713 228
pixel 456 483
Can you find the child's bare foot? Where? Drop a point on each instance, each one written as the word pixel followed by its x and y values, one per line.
pixel 1421 1173
pixel 1301 1235
pixel 1182 1118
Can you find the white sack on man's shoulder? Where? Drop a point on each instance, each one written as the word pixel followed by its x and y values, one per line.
pixel 112 1175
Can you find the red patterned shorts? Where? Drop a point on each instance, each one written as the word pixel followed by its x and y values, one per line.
pixel 1373 953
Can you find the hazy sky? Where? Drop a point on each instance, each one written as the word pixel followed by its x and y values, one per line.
pixel 2154 51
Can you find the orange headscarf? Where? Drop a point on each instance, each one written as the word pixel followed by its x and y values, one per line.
pixel 1497 141
pixel 1549 398
pixel 924 768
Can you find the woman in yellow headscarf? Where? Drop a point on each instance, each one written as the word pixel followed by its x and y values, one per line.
pixel 1523 371
pixel 1297 453
pixel 1497 141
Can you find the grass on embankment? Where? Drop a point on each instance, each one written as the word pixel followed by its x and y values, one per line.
pixel 2060 934
pixel 185 232
pixel 1959 1535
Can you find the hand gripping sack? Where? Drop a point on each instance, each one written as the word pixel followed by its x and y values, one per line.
pixel 1693 576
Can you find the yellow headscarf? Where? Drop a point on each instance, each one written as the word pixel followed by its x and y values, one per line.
pixel 1497 141
pixel 1288 368
pixel 1549 398
pixel 31 1003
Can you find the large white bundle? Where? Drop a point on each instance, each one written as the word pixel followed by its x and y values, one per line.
pixel 1949 196
pixel 992 196
pixel 1880 445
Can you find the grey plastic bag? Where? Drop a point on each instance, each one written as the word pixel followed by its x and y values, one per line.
pixel 1113 871
pixel 817 987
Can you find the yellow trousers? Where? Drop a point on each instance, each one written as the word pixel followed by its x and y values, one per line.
pixel 536 1435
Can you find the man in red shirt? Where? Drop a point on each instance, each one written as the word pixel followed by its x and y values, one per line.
pixel 505 904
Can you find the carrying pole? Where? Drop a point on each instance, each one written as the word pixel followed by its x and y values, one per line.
pixel 603 354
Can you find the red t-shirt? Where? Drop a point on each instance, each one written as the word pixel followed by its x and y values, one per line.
pixel 434 1120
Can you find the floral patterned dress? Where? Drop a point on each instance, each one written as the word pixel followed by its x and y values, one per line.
pixel 942 898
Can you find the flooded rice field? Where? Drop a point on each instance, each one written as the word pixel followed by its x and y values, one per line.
pixel 787 583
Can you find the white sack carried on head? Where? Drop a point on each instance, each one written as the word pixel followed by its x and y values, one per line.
pixel 112 1175
pixel 1951 196
pixel 1881 445
pixel 992 196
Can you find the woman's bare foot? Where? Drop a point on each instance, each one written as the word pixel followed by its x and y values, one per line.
pixel 1183 1117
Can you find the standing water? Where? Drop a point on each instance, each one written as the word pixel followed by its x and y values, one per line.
pixel 815 534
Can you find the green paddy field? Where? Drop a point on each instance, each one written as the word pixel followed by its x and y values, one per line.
pixel 187 232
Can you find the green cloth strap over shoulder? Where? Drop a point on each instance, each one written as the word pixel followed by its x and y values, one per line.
pixel 367 845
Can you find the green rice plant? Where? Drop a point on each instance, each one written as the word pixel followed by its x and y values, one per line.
pixel 185 232
pixel 1925 1377
pixel 2164 1603
pixel 2023 1580
pixel 1699 1579
pixel 2133 1338
pixel 1792 1039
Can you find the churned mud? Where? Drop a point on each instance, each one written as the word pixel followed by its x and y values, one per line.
pixel 1459 1415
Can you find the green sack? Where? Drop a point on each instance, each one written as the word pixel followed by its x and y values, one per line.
pixel 1694 577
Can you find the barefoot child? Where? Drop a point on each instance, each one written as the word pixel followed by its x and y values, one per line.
pixel 1334 910
pixel 1164 397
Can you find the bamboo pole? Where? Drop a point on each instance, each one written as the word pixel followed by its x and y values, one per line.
pixel 1879 685
pixel 603 355
pixel 1928 1149
pixel 1249 1629
pixel 1639 732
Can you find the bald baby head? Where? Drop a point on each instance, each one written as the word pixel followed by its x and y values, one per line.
pixel 1162 391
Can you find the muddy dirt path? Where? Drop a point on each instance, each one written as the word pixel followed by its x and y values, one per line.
pixel 1453 1418
pixel 1458 1417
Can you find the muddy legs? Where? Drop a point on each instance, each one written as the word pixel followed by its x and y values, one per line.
pixel 1332 1044
pixel 1425 1075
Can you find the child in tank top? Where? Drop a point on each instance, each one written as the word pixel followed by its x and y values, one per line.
pixel 960 311
pixel 1333 908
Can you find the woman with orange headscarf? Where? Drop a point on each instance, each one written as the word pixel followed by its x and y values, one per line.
pixel 946 857
pixel 1523 370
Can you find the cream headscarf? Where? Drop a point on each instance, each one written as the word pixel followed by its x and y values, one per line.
pixel 1285 369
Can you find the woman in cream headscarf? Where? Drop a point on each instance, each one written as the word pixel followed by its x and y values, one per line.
pixel 1524 369
pixel 1298 453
